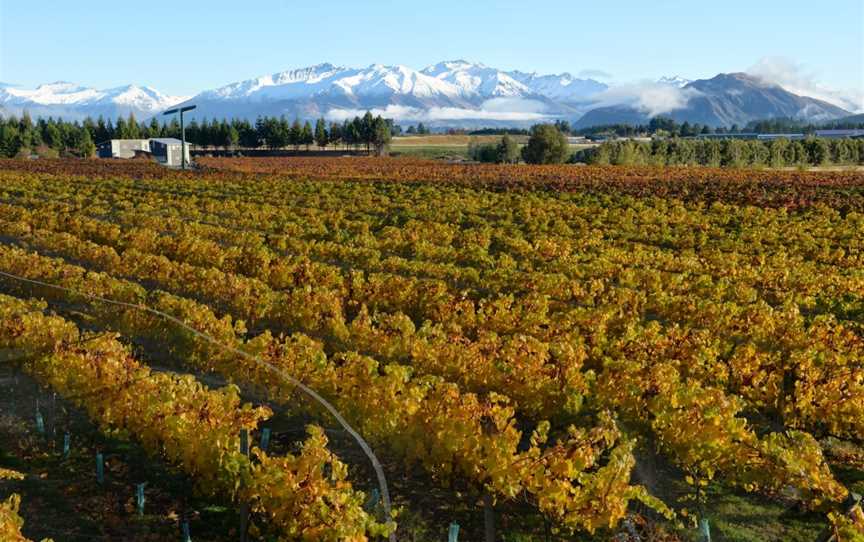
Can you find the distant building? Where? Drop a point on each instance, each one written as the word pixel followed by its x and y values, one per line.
pixel 167 150
pixel 839 133
pixel 122 148
pixel 791 137
pixel 737 135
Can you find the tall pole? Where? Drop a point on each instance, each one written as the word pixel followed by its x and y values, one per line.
pixel 181 110
pixel 182 142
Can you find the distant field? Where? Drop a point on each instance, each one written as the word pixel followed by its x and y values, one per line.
pixel 447 140
pixel 448 146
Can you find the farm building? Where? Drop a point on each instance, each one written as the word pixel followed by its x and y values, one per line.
pixel 122 148
pixel 167 150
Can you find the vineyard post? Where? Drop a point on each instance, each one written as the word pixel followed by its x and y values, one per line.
pixel 139 498
pixel 265 438
pixel 244 505
pixel 453 533
pixel 373 499
pixel 100 468
pixel 53 419
pixel 40 422
pixel 704 530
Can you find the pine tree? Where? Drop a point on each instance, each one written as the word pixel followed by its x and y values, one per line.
pixel 507 150
pixel 321 137
pixel 381 135
pixel 295 134
pixel 86 148
pixel 155 129
pixel 134 131
pixel 52 136
pixel 120 130
pixel 306 135
pixel 335 135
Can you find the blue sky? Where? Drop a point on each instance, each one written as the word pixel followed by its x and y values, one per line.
pixel 182 47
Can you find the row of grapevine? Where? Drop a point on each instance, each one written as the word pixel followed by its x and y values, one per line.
pixel 427 420
pixel 189 425
pixel 783 443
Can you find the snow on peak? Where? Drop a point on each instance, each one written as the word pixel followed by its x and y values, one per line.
pixel 674 81
pixel 476 79
pixel 74 101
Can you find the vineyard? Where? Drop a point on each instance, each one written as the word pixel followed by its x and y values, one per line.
pixel 532 352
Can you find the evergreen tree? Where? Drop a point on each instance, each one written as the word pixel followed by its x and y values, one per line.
pixel 10 140
pixel 507 150
pixel 380 135
pixel 248 135
pixel 366 128
pixel 102 132
pixel 154 129
pixel 321 137
pixel 134 131
pixel 52 136
pixel 28 136
pixel 86 147
pixel 295 134
pixel 546 146
pixel 335 135
pixel 120 131
pixel 306 135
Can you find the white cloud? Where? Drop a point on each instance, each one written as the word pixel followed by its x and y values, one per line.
pixel 501 109
pixel 797 79
pixel 649 96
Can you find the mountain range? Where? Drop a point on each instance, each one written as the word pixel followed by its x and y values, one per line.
pixel 454 93
pixel 72 102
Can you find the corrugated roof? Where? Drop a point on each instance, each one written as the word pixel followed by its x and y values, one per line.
pixel 167 140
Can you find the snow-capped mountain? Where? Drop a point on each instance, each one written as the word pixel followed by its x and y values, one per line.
pixel 74 102
pixel 674 81
pixel 334 81
pixel 471 79
pixel 454 92
pixel 723 100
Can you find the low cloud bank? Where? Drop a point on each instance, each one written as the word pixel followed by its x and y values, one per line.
pixel 796 78
pixel 495 109
pixel 650 97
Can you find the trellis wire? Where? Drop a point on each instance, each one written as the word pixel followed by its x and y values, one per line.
pixel 379 471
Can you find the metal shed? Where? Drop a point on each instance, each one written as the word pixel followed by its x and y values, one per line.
pixel 122 148
pixel 168 150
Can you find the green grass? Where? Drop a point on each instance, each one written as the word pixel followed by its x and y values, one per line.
pixel 434 152
pixel 749 518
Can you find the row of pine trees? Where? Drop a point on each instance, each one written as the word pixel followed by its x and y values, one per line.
pixel 20 137
pixel 780 152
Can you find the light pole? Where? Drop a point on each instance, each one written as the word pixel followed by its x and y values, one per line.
pixel 181 110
